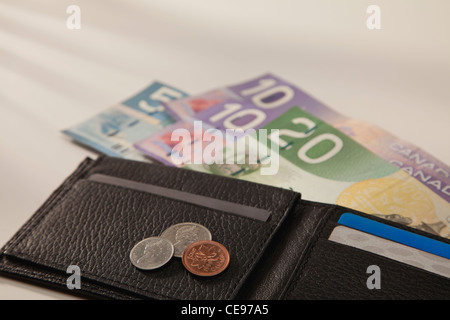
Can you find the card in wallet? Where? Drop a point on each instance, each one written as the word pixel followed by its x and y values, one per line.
pixel 277 242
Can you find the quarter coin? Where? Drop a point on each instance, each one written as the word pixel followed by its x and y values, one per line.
pixel 151 253
pixel 183 234
pixel 206 258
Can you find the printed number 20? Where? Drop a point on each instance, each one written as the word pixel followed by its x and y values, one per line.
pixel 302 152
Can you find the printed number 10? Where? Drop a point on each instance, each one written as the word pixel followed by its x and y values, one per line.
pixel 270 98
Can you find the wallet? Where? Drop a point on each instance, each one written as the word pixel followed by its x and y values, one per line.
pixel 278 243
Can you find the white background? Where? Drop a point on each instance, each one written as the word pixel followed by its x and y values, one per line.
pixel 51 77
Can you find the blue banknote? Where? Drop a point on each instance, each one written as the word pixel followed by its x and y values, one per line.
pixel 114 131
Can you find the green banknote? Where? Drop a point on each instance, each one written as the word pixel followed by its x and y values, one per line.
pixel 325 165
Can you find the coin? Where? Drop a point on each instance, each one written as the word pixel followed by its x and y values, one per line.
pixel 206 258
pixel 183 234
pixel 151 253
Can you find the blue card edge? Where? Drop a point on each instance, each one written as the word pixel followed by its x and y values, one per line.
pixel 395 234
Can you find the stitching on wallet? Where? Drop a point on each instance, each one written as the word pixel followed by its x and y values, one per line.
pixel 54 279
pixel 47 207
pixel 51 263
pixel 63 192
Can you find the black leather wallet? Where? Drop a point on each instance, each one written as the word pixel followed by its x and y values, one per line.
pixel 278 243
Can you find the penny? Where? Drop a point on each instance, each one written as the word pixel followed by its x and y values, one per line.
pixel 206 258
pixel 151 253
pixel 183 234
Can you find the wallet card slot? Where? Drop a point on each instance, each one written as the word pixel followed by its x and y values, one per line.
pixel 392 250
pixel 332 220
pixel 95 225
pixel 339 212
pixel 208 202
pixel 337 271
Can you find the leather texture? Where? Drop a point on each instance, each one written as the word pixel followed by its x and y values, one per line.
pixel 94 226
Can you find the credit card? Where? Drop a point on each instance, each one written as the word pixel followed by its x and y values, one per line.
pixel 395 234
pixel 392 250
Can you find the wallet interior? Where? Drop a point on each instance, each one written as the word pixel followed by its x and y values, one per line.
pixel 312 267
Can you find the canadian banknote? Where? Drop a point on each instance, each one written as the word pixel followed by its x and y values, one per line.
pixel 114 130
pixel 270 93
pixel 322 154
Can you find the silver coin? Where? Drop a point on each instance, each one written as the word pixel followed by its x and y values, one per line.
pixel 183 234
pixel 151 253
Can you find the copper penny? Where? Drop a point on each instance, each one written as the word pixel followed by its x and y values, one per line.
pixel 205 258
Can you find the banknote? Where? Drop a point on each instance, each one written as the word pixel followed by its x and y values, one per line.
pixel 394 194
pixel 314 158
pixel 114 130
pixel 162 146
pixel 187 107
pixel 151 101
pixel 269 92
